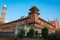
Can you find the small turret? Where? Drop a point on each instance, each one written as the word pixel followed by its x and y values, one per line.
pixel 57 23
pixel 34 9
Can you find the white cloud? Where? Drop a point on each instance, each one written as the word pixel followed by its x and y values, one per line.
pixel 6 21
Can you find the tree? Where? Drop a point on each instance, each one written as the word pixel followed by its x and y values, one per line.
pixel 30 33
pixel 21 32
pixel 44 32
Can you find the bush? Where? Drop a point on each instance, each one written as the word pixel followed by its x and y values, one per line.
pixel 52 36
pixel 58 36
pixel 44 32
pixel 30 33
pixel 21 33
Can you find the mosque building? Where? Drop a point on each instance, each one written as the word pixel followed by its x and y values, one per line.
pixel 32 20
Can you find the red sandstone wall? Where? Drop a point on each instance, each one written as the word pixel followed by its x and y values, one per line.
pixel 6 38
pixel 18 39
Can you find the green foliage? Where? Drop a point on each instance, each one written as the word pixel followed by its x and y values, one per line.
pixel 51 36
pixel 54 36
pixel 21 33
pixel 58 36
pixel 41 38
pixel 44 32
pixel 30 33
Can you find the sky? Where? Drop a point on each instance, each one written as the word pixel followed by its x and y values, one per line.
pixel 49 9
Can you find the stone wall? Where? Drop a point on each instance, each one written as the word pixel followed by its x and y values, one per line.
pixel 18 39
pixel 7 39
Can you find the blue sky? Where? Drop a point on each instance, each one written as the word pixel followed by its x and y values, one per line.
pixel 49 9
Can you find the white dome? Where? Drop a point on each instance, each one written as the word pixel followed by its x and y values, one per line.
pixel 5 5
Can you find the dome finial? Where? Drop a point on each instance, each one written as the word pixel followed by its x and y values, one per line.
pixel 5 5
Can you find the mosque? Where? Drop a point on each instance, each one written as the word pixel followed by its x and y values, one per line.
pixel 31 21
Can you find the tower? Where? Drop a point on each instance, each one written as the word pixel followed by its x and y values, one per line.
pixel 33 14
pixel 3 15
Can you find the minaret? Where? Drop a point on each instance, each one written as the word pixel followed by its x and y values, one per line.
pixel 3 14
